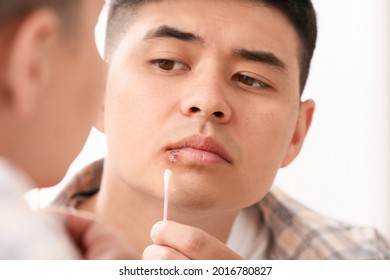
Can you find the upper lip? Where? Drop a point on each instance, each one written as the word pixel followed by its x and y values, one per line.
pixel 208 144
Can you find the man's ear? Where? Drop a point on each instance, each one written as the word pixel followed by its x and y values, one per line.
pixel 305 117
pixel 28 66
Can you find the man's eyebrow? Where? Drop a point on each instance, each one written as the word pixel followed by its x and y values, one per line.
pixel 166 31
pixel 263 57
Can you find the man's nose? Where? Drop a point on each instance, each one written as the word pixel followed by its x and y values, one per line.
pixel 207 99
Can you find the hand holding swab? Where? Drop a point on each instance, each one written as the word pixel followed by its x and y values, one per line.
pixel 167 176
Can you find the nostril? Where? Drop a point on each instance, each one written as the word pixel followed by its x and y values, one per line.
pixel 194 109
pixel 218 114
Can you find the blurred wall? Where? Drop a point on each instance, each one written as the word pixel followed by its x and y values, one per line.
pixel 344 167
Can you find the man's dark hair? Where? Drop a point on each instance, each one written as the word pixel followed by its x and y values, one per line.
pixel 16 9
pixel 300 13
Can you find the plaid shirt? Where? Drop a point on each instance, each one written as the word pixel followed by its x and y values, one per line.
pixel 296 231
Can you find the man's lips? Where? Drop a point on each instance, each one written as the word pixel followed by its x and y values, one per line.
pixel 199 149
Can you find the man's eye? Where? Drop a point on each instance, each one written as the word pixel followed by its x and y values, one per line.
pixel 169 65
pixel 249 81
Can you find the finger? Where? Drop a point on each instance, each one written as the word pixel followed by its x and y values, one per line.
pixel 78 223
pixel 190 241
pixel 99 240
pixel 158 252
pixel 96 239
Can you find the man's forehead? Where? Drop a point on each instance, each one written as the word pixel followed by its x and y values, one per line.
pixel 203 16
pixel 192 15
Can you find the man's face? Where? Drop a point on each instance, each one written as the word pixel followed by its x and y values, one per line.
pixel 208 89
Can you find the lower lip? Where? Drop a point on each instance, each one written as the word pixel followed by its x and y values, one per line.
pixel 194 156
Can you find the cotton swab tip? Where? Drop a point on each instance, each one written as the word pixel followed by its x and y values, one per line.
pixel 167 176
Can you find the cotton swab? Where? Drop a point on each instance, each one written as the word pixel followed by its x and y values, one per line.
pixel 167 176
